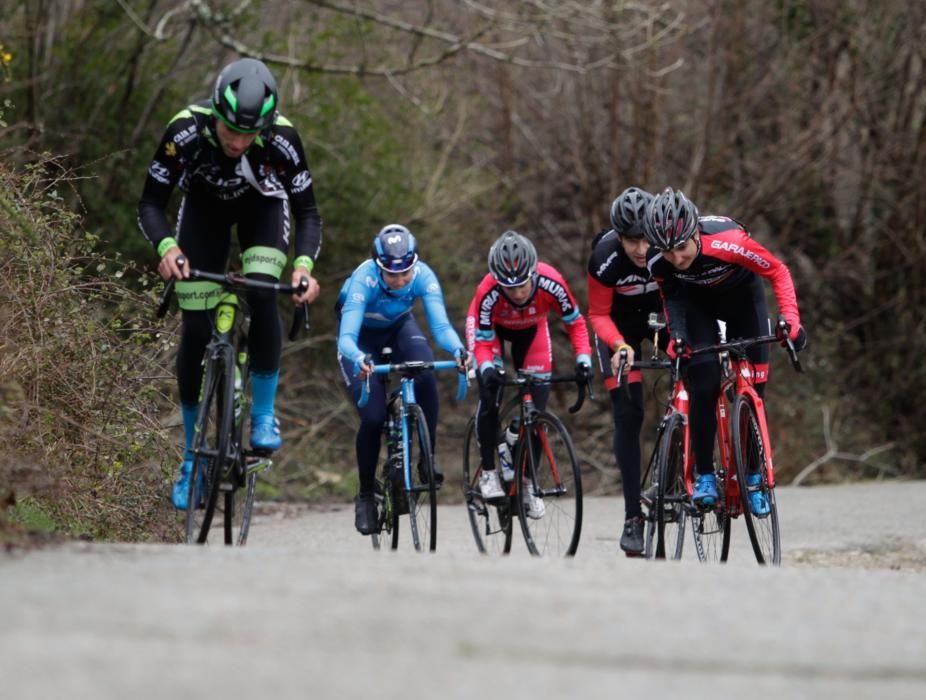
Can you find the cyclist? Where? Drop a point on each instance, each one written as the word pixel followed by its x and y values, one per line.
pixel 238 161
pixel 511 304
pixel 375 309
pixel 709 268
pixel 621 295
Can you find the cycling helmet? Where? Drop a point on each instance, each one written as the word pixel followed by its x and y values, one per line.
pixel 395 249
pixel 671 220
pixel 628 212
pixel 512 259
pixel 245 96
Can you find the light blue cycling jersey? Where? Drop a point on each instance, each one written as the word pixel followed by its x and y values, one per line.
pixel 365 302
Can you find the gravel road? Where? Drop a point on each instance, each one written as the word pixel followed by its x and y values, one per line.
pixel 308 610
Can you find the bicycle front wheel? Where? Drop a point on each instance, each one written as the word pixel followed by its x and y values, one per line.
pixel 549 492
pixel 213 426
pixel 752 458
pixel 671 505
pixel 422 496
pixel 491 522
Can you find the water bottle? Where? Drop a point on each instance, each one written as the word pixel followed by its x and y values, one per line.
pixel 506 449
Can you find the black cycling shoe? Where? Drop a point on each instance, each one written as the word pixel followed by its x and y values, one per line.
pixel 632 539
pixel 365 516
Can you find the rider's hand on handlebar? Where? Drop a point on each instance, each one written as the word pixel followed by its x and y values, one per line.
pixel 616 358
pixel 490 377
pixel 583 368
pixel 172 265
pixel 464 359
pixel 311 291
pixel 363 366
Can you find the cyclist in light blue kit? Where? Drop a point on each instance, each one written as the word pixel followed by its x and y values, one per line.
pixel 375 308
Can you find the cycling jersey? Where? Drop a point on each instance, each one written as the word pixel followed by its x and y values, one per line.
pixel 618 290
pixel 490 308
pixel 189 156
pixel 364 302
pixel 727 262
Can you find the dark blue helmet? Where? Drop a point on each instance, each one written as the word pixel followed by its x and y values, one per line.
pixel 395 249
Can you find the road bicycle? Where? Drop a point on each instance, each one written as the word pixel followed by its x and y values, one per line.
pixel 406 484
pixel 743 448
pixel 224 474
pixel 545 467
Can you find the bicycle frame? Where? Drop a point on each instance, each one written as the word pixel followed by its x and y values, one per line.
pixel 405 395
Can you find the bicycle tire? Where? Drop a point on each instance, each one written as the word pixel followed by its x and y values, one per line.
pixel 710 529
pixel 491 523
pixel 671 506
pixel 547 458
pixel 387 517
pixel 649 484
pixel 237 510
pixel 218 379
pixel 752 455
pixel 422 496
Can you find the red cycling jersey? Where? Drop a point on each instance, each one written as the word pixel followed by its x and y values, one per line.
pixel 491 309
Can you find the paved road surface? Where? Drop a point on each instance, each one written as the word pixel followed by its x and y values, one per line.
pixel 308 610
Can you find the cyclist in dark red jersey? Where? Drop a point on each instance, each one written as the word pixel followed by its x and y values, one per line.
pixel 621 295
pixel 238 162
pixel 511 304
pixel 709 268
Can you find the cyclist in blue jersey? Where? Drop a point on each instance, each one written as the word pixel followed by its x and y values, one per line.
pixel 239 163
pixel 375 309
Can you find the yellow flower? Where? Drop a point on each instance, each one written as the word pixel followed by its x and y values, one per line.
pixel 7 57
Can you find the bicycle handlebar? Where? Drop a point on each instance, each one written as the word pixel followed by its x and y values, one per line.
pixel 410 370
pixel 738 345
pixel 583 384
pixel 234 281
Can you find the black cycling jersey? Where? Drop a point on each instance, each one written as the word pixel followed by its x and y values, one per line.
pixel 189 156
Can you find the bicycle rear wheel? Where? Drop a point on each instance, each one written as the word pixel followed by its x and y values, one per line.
pixel 671 504
pixel 422 496
pixel 213 426
pixel 386 513
pixel 751 458
pixel 490 522
pixel 551 471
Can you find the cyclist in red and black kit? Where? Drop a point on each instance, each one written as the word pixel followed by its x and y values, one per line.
pixel 238 162
pixel 511 304
pixel 709 268
pixel 621 296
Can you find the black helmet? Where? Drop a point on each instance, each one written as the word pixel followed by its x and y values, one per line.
pixel 245 96
pixel 628 212
pixel 395 249
pixel 512 259
pixel 671 220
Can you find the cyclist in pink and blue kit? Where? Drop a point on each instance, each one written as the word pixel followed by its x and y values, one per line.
pixel 511 305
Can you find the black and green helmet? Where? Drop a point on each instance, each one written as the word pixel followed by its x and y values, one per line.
pixel 245 95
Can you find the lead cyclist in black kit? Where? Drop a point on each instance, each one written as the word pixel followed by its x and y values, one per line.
pixel 238 161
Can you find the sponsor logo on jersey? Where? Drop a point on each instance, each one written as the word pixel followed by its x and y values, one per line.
pixel 301 181
pixel 170 149
pixel 742 252
pixel 433 288
pixel 557 290
pixel 286 147
pixel 370 281
pixel 606 264
pixel 185 136
pixel 159 172
pixel 357 296
pixel 485 308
